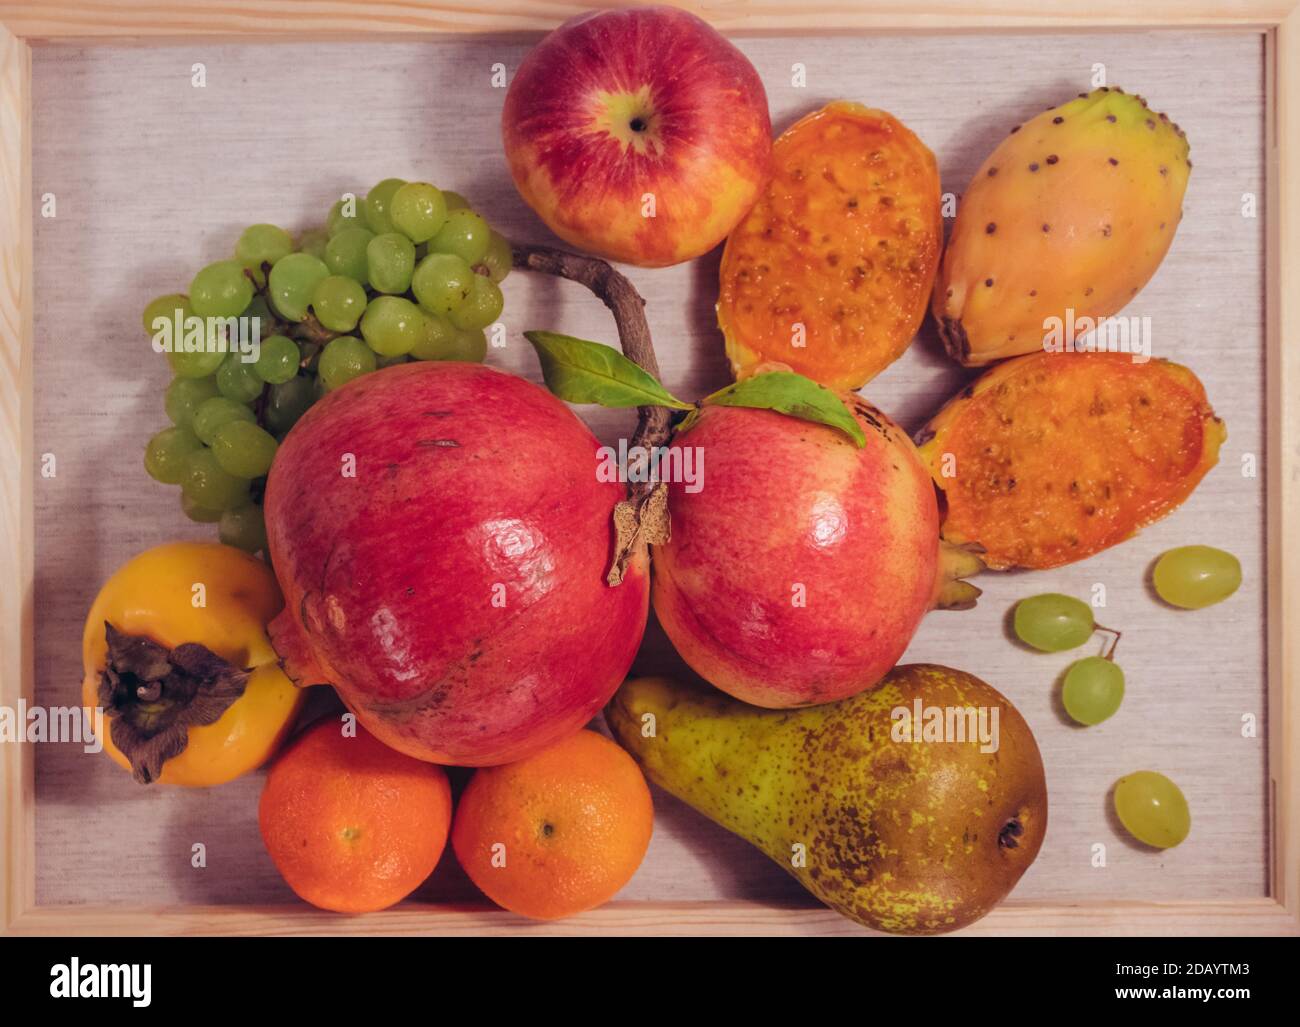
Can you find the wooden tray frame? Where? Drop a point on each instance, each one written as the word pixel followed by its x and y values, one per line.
pixel 136 22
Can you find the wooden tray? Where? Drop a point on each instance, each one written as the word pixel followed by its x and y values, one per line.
pixel 153 177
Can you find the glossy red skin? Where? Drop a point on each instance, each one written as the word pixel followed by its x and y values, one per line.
pixel 785 501
pixel 466 478
pixel 705 154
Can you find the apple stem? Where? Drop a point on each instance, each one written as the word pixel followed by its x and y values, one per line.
pixel 654 423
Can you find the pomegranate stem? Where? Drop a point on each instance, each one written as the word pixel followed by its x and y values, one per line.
pixel 654 424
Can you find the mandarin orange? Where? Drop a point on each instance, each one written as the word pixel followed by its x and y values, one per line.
pixel 557 833
pixel 352 825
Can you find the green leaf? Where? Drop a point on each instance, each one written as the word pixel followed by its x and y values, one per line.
pixel 793 394
pixel 589 372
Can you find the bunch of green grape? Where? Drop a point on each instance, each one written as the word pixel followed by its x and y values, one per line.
pixel 409 272
pixel 1149 805
pixel 1094 686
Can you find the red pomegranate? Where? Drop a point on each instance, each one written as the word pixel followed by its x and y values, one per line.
pixel 442 539
pixel 799 570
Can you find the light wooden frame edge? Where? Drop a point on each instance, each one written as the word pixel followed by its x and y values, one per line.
pixel 23 24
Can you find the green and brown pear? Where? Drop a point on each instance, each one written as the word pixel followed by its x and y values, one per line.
pixel 906 825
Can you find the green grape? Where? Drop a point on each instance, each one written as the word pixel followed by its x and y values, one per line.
pixel 211 414
pixel 166 454
pixel 390 260
pixel 209 486
pixel 378 201
pixel 262 244
pixel 346 213
pixel 418 211
pixel 382 362
pixel 470 344
pixel 194 512
pixel 442 282
pixel 1053 622
pixel 288 402
pixel 221 290
pixel 183 397
pixel 167 308
pixel 243 527
pixel 1093 689
pixel 444 341
pixel 199 364
pixel 259 313
pixel 498 259
pixel 464 234
pixel 238 380
pixel 313 243
pixel 1196 576
pixel 454 200
pixel 292 281
pixel 392 325
pixel 481 307
pixel 279 359
pixel 1152 809
pixel 438 341
pixel 338 302
pixel 345 358
pixel 165 322
pixel 243 449
pixel 346 253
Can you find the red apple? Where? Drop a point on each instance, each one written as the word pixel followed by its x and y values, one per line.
pixel 799 570
pixel 441 539
pixel 639 134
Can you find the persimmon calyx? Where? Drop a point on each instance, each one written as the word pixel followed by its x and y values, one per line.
pixel 153 696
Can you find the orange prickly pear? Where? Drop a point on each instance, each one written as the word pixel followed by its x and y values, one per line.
pixel 830 272
pixel 1067 219
pixel 1013 494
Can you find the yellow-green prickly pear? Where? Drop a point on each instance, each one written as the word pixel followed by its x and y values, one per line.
pixel 913 808
pixel 1072 212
